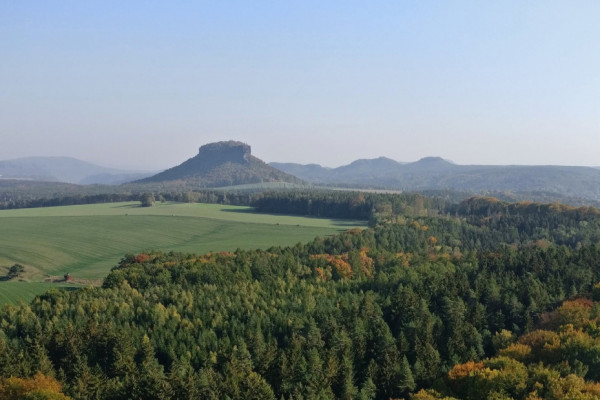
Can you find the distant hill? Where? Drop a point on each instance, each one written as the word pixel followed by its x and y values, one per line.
pixel 64 169
pixel 223 164
pixel 434 173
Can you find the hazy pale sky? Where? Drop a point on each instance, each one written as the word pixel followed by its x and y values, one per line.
pixel 142 84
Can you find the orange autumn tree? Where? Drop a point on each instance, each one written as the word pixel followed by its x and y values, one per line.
pixel 39 387
pixel 562 363
pixel 339 263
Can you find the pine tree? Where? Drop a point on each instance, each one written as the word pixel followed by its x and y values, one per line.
pixel 405 380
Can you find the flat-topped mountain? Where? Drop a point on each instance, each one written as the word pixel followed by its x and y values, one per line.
pixel 223 164
pixel 435 173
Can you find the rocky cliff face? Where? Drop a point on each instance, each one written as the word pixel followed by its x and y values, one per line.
pixel 222 152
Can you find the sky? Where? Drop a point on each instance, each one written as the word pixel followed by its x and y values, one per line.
pixel 142 84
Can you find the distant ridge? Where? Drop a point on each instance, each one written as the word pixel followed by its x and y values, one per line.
pixel 430 163
pixel 435 173
pixel 223 164
pixel 64 169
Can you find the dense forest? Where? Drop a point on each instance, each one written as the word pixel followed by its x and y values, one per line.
pixel 552 362
pixel 430 298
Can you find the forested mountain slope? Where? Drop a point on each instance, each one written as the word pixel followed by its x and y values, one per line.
pixel 372 314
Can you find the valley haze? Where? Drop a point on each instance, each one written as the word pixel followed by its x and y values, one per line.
pixel 231 163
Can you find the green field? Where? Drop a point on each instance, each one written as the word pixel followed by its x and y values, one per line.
pixel 86 241
pixel 15 291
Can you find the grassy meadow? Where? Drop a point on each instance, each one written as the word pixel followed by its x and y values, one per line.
pixel 87 240
pixel 15 291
